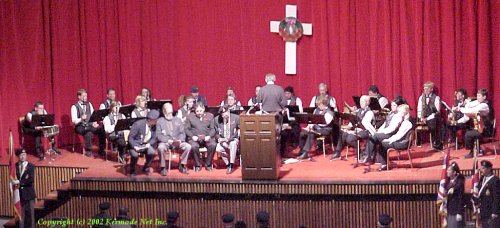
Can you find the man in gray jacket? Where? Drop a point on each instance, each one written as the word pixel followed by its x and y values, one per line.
pixel 200 132
pixel 171 135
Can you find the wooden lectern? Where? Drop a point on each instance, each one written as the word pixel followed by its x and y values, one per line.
pixel 260 147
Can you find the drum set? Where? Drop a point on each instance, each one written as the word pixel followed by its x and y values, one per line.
pixel 50 133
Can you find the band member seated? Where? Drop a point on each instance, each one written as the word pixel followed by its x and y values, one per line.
pixel 456 119
pixel 429 106
pixel 374 92
pixel 187 107
pixel 323 90
pixel 110 97
pixel 398 141
pixel 35 131
pixel 230 91
pixel 479 107
pixel 200 131
pixel 489 196
pixel 231 104
pixel 290 130
pixel 253 100
pixel 309 133
pixel 227 127
pixel 140 107
pixel 146 93
pixel 353 133
pixel 117 138
pixel 195 93
pixel 142 139
pixel 80 116
pixel 388 128
pixel 455 203
pixel 171 135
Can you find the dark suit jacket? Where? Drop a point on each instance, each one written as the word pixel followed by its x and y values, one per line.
pixel 26 181
pixel 195 126
pixel 489 197
pixel 455 203
pixel 272 98
pixel 234 126
pixel 164 134
pixel 137 133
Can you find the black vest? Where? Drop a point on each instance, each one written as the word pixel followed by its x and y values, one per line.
pixel 428 108
pixel 79 111
pixel 293 100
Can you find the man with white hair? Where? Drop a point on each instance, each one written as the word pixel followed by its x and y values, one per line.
pixel 272 96
pixel 171 135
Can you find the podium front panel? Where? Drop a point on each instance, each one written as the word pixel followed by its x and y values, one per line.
pixel 260 147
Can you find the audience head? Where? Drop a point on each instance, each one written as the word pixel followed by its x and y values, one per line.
pixel 168 111
pixel 482 95
pixel 486 167
pixel 199 109
pixel 82 95
pixel 240 224
pixel 289 92
pixel 428 87
pixel 104 206
pixel 262 219
pixel 384 220
pixel 453 170
pixel 140 101
pixel 373 91
pixel 172 217
pixel 323 88
pixel 270 77
pixel 21 154
pixel 228 220
pixel 111 94
pixel 123 212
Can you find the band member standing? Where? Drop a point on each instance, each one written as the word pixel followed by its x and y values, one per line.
pixel 323 90
pixel 140 107
pixel 388 128
pixel 200 131
pixel 398 141
pixel 456 119
pixel 80 116
pixel 195 92
pixel 227 127
pixel 110 97
pixel 142 139
pixel 489 196
pixel 171 135
pixel 272 96
pixel 478 107
pixel 356 132
pixel 230 91
pixel 455 205
pixel 186 109
pixel 374 92
pixel 253 100
pixel 25 173
pixel 35 131
pixel 429 106
pixel 115 137
pixel 309 133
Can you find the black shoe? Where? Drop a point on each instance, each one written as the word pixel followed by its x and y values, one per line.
pixel 229 169
pixel 133 174
pixel 303 155
pixel 163 172
pixel 183 169
pixel 88 153
pixel 335 156
pixel 209 168
pixel 197 169
pixel 382 168
pixel 469 155
pixel 438 147
pixel 121 159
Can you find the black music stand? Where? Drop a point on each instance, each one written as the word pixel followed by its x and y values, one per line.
pixel 212 109
pixel 43 120
pixel 98 115
pixel 309 109
pixel 306 118
pixel 157 105
pixel 126 110
pixel 126 124
pixel 374 105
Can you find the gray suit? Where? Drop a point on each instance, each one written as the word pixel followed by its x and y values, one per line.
pixel 272 98
pixel 195 126
pixel 232 141
pixel 171 130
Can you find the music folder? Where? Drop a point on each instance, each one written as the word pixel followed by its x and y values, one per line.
pixel 310 118
pixel 125 124
pixel 98 115
pixel 158 105
pixel 42 120
pixel 126 110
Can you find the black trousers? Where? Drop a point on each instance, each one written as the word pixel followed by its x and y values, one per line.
pixel 307 138
pixel 87 132
pixel 195 150
pixel 384 146
pixel 372 144
pixel 119 141
pixel 433 125
pixel 351 139
pixel 450 131
pixel 38 139
pixel 28 213
pixel 470 138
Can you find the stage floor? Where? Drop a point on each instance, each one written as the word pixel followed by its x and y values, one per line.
pixel 426 168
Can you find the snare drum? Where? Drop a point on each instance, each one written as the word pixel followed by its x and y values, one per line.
pixel 51 131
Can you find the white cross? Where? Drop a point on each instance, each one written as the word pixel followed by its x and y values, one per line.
pixel 291 47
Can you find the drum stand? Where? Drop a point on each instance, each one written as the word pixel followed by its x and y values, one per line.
pixel 52 151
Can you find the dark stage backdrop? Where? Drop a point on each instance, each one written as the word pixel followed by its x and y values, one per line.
pixel 49 49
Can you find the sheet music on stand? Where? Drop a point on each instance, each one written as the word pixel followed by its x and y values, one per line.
pixel 212 109
pixel 309 109
pixel 157 105
pixel 353 119
pixel 310 118
pixel 98 115
pixel 126 110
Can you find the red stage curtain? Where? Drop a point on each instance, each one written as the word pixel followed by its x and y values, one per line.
pixel 49 49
